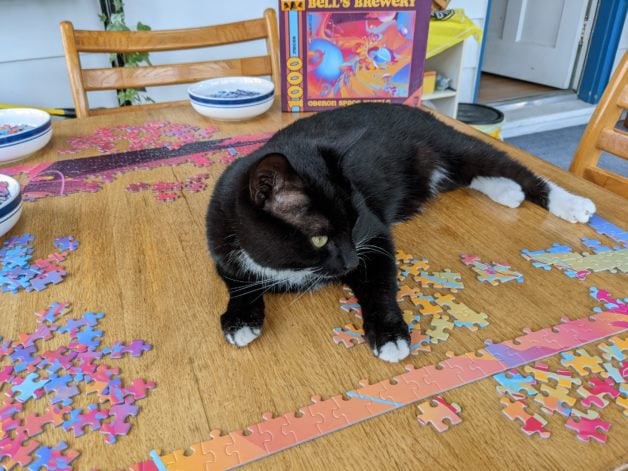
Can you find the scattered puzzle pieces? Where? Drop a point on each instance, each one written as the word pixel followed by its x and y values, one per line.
pixel 17 273
pixel 39 374
pixel 493 273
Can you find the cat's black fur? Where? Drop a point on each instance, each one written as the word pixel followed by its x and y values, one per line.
pixel 347 174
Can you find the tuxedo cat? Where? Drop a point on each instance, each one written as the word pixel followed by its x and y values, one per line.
pixel 315 205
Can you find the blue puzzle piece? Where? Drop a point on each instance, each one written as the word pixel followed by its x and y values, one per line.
pixel 513 382
pixel 30 388
pixel 64 393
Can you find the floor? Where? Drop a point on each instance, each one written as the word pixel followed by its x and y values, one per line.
pixel 496 88
pixel 559 146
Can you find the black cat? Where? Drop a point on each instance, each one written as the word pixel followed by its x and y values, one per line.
pixel 315 205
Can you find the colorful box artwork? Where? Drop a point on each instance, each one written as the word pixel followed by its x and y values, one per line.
pixel 339 52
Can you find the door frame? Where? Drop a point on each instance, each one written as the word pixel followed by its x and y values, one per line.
pixel 607 30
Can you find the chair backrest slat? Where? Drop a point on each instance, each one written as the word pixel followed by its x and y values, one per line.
pixel 136 77
pixel 123 42
pixel 601 134
pixel 614 141
pixel 170 40
pixel 610 181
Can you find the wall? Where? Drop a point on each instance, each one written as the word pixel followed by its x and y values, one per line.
pixel 32 70
pixel 477 11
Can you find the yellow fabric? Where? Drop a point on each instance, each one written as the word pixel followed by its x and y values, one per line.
pixel 444 34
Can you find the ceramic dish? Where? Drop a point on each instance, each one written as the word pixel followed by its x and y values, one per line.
pixel 232 98
pixel 10 203
pixel 22 132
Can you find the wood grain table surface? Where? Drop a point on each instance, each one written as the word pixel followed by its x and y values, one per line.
pixel 146 265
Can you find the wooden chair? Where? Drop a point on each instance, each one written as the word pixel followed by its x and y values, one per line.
pixel 85 80
pixel 601 134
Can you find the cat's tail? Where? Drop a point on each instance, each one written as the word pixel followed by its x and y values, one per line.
pixel 484 168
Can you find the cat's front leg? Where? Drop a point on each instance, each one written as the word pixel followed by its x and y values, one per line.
pixel 374 283
pixel 243 320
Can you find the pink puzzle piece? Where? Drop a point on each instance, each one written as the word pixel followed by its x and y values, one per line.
pixel 588 429
pixel 436 411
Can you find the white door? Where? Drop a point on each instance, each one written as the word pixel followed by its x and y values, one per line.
pixel 534 40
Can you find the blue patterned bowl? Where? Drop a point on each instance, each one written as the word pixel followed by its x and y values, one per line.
pixel 22 132
pixel 10 203
pixel 232 98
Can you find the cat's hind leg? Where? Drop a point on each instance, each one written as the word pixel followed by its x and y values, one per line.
pixel 500 189
pixel 484 168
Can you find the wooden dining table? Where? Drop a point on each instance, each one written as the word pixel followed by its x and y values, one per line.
pixel 145 263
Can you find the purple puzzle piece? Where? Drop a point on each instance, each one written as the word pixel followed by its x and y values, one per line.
pixel 135 348
pixel 65 244
pixel 119 426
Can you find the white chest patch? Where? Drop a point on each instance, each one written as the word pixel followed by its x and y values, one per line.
pixel 283 278
pixel 438 175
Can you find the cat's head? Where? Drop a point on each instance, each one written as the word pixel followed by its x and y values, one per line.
pixel 296 222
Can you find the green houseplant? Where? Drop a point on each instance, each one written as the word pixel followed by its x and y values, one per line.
pixel 113 18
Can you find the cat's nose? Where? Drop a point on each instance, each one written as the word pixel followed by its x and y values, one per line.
pixel 350 261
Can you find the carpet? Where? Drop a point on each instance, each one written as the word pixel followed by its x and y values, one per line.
pixel 559 146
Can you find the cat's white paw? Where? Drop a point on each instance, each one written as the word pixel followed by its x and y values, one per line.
pixel 243 336
pixel 567 206
pixel 501 190
pixel 393 352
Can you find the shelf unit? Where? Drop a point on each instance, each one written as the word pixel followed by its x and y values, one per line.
pixel 449 64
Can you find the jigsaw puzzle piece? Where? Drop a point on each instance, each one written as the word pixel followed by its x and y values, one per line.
pixel 440 280
pixel 463 315
pixel 136 349
pixel 91 417
pixel 119 414
pixel 588 429
pixel 53 458
pixel 512 383
pixel 532 423
pixel 582 362
pixel 439 328
pixel 349 336
pixel 29 387
pixel 436 411
pixel 541 372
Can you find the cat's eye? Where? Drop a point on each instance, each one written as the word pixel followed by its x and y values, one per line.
pixel 319 241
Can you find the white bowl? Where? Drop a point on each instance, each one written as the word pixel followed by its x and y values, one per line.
pixel 19 145
pixel 11 208
pixel 232 98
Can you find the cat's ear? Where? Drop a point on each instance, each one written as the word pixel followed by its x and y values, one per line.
pixel 275 186
pixel 340 144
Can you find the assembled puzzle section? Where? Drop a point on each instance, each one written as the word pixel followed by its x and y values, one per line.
pixel 323 416
pixel 576 394
pixel 18 271
pixel 599 258
pixel 130 148
pixel 35 372
pixel 431 316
